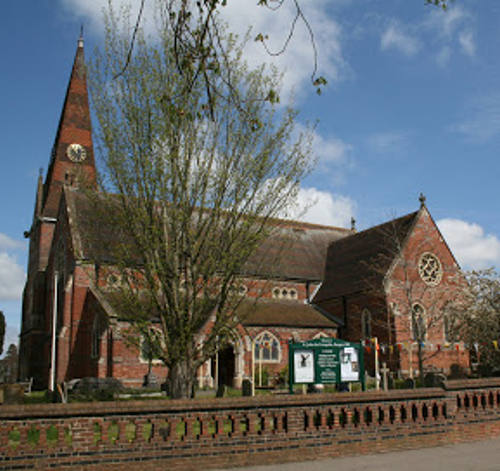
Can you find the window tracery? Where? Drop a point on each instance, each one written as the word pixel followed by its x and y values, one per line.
pixel 418 325
pixel 284 293
pixel 429 269
pixel 267 348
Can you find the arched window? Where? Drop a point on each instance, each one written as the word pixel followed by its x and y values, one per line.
pixel 267 348
pixel 321 335
pixel 95 344
pixel 150 348
pixel 366 324
pixel 418 325
pixel 450 334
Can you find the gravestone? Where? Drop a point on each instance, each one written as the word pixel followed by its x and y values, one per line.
pixel 246 387
pixel 13 394
pixel 409 383
pixel 151 381
pixel 434 380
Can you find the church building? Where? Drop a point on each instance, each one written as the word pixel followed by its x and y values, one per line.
pixel 390 283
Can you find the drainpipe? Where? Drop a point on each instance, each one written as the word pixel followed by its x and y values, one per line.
pixel 52 377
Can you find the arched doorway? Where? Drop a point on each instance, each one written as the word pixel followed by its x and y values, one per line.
pixel 226 366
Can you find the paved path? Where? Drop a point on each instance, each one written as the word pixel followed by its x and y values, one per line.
pixel 477 456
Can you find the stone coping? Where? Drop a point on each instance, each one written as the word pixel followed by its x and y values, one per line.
pixel 199 405
pixel 479 383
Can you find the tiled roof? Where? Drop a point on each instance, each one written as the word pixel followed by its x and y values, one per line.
pixel 360 261
pixel 296 250
pixel 264 312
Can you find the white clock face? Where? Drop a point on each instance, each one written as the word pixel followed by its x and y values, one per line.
pixel 76 153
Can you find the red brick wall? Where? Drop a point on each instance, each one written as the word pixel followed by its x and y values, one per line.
pixel 405 279
pixel 242 431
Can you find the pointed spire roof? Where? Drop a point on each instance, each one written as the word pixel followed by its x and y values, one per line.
pixel 72 156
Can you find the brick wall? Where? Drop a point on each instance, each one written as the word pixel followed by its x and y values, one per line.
pixel 242 431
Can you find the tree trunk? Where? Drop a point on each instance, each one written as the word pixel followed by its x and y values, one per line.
pixel 180 380
pixel 420 363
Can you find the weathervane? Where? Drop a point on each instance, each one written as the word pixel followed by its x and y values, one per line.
pixel 422 199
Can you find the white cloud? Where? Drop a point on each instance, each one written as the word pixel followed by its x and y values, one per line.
pixel 443 56
pixel 388 142
pixel 482 118
pixel 466 40
pixel 12 277
pixel 395 38
pixel 92 12
pixel 450 27
pixel 471 246
pixel 7 243
pixel 448 23
pixel 297 61
pixel 322 207
pixel 329 149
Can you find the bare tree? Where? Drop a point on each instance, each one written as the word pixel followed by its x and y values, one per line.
pixel 409 279
pixel 197 182
pixel 197 36
pixel 475 318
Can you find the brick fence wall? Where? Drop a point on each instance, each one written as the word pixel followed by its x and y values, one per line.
pixel 244 431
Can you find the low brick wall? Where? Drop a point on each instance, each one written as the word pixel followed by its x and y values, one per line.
pixel 244 431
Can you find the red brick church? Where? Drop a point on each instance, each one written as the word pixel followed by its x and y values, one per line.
pixel 330 282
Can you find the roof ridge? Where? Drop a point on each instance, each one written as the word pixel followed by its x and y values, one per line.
pixel 377 227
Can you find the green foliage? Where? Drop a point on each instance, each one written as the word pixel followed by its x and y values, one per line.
pixel 198 172
pixel 33 436
pixel 265 376
pixel 113 432
pixel 14 437
pixel 147 431
pixel 97 433
pixel 475 318
pixel 52 435
pixel 68 436
pixel 283 377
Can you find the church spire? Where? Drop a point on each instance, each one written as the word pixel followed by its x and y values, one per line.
pixel 72 157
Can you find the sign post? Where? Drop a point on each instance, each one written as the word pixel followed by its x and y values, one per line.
pixel 325 361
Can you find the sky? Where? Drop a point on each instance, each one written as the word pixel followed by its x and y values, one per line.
pixel 412 106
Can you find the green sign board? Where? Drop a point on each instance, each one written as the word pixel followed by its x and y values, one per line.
pixel 325 361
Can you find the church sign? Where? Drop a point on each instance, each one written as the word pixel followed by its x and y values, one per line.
pixel 325 361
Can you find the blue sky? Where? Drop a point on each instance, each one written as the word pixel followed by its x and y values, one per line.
pixel 412 105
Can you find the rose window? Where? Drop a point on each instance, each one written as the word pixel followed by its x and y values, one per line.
pixel 429 269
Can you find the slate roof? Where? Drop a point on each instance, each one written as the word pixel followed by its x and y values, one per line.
pixel 301 247
pixel 279 313
pixel 360 261
pixel 252 312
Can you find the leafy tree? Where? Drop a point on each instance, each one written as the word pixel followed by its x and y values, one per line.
pixel 8 365
pixel 198 179
pixel 2 331
pixel 476 318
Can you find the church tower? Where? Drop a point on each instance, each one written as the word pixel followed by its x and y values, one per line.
pixel 71 163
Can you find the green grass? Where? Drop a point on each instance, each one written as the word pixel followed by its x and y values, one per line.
pixel 33 436
pixel 14 437
pixel 52 435
pixel 37 397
